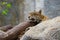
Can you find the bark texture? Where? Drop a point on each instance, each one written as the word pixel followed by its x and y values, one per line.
pixel 15 31
pixel 6 28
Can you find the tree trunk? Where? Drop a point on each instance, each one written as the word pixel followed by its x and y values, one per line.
pixel 14 32
pixel 6 28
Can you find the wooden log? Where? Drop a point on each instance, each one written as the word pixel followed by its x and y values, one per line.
pixel 14 32
pixel 5 28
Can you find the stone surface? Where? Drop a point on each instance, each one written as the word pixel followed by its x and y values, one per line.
pixel 52 8
pixel 47 30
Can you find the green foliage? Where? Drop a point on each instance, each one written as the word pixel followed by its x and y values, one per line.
pixel 3 3
pixel 7 6
pixel 4 12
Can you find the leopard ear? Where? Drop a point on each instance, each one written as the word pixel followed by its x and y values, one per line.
pixel 40 11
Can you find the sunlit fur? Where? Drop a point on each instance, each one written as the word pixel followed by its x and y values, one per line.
pixel 37 17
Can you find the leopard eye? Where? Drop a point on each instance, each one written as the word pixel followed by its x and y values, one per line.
pixel 29 17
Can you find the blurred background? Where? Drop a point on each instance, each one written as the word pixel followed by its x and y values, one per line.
pixel 16 11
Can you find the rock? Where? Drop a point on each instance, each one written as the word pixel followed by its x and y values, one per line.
pixel 52 8
pixel 46 30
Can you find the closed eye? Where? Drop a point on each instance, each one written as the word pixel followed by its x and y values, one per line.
pixel 29 17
